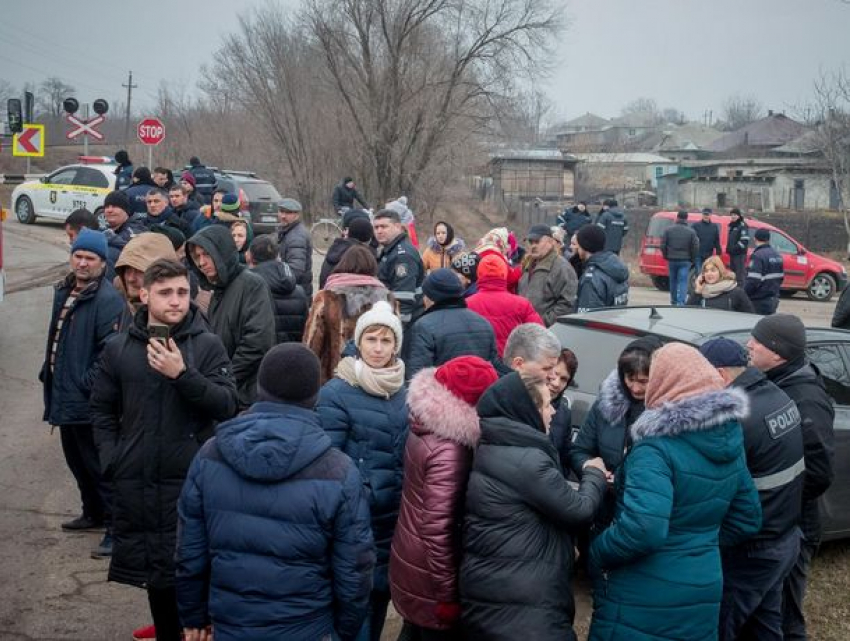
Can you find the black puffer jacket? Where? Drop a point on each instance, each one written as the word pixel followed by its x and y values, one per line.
pixel 240 310
pixel 147 429
pixel 803 383
pixel 289 300
pixel 735 300
pixel 445 331
pixel 520 511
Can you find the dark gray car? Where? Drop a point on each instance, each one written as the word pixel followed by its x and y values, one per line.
pixel 598 337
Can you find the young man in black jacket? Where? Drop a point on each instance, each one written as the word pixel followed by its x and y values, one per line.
pixel 736 245
pixel 161 387
pixel 754 572
pixel 778 348
pixel 240 310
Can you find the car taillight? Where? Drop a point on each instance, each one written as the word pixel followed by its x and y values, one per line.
pixel 244 203
pixel 610 327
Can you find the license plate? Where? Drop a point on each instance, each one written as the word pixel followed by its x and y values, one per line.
pixel 269 219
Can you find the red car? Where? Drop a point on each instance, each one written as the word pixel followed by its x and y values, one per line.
pixel 818 276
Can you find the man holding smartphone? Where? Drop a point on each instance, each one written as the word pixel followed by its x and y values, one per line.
pixel 161 388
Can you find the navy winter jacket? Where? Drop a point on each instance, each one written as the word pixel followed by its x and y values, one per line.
pixel 137 193
pixel 274 539
pixel 372 431
pixel 765 273
pixel 603 283
pixel 445 331
pixel 616 226
pixel 709 239
pixel 91 321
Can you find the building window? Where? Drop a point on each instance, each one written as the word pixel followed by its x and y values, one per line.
pixel 632 132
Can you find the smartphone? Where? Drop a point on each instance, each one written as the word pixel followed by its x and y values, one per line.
pixel 159 333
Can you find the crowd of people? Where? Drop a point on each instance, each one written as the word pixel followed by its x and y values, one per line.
pixel 270 463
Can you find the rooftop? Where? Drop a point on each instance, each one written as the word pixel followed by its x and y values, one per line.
pixel 636 157
pixel 771 131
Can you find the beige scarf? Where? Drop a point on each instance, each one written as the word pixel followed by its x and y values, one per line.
pixel 720 287
pixel 383 382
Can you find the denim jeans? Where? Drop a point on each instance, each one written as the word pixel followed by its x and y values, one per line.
pixel 678 270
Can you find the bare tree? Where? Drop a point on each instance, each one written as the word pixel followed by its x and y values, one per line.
pixel 673 116
pixel 268 69
pixel 832 135
pixel 53 92
pixel 739 111
pixel 417 78
pixel 6 91
pixel 643 107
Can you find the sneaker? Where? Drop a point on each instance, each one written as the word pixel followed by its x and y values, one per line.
pixel 104 548
pixel 81 523
pixel 146 633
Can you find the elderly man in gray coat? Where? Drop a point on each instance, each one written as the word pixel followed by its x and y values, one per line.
pixel 549 282
pixel 296 247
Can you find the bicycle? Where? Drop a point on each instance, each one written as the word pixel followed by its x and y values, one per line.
pixel 323 233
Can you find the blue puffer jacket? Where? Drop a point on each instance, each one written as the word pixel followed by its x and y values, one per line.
pixel 686 491
pixel 372 431
pixel 274 539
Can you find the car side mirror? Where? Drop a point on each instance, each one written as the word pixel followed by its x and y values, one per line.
pixel 43 179
pixel 801 251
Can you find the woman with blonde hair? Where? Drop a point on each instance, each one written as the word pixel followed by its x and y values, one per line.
pixel 717 288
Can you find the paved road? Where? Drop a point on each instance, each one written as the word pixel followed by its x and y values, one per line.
pixel 51 589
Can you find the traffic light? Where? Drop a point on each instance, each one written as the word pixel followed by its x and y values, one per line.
pixel 100 106
pixel 70 105
pixel 15 115
pixel 29 102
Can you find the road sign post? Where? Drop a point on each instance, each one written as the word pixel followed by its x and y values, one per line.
pixel 150 132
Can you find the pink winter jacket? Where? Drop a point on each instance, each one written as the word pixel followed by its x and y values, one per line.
pixel 426 548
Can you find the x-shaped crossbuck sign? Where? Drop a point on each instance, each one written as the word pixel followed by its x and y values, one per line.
pixel 85 127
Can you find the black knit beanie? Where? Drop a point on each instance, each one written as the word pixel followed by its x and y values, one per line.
pixel 591 238
pixel 289 373
pixel 118 199
pixel 783 334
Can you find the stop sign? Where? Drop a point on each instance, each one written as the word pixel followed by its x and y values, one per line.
pixel 151 131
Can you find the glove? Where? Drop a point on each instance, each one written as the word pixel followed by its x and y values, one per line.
pixel 448 612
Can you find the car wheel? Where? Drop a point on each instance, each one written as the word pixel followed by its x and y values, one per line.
pixel 24 211
pixel 821 288
pixel 101 218
pixel 661 283
pixel 323 234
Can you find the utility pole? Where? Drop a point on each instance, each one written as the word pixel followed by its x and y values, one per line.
pixel 129 86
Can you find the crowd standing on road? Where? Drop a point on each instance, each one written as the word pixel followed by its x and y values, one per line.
pixel 266 459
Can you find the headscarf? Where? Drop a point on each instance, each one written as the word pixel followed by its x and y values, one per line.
pixel 450 233
pixel 677 372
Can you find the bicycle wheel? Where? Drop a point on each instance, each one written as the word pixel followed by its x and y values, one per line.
pixel 323 234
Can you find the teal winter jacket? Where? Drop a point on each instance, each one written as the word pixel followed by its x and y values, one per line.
pixel 685 491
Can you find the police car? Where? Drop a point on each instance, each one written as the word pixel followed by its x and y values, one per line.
pixel 80 186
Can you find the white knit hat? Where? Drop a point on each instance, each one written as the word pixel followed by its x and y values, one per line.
pixel 380 314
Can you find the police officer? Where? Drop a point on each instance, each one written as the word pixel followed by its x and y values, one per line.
pixel 204 179
pixel 778 348
pixel 613 222
pixel 399 265
pixel 736 244
pixel 764 275
pixel 754 572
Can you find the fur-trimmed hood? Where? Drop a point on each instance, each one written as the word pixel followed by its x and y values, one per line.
pixel 453 249
pixel 693 414
pixel 614 402
pixel 435 410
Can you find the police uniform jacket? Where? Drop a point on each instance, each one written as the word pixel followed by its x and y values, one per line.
pixel 773 442
pixel 400 269
pixel 764 274
pixel 616 227
pixel 739 238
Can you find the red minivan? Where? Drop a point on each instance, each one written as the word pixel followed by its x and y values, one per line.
pixel 818 276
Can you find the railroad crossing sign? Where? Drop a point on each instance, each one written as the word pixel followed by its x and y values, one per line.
pixel 30 142
pixel 84 127
pixel 151 131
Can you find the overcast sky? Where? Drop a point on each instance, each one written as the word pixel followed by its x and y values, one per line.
pixel 688 54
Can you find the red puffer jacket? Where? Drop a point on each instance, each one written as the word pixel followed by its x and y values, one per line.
pixel 502 309
pixel 426 549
